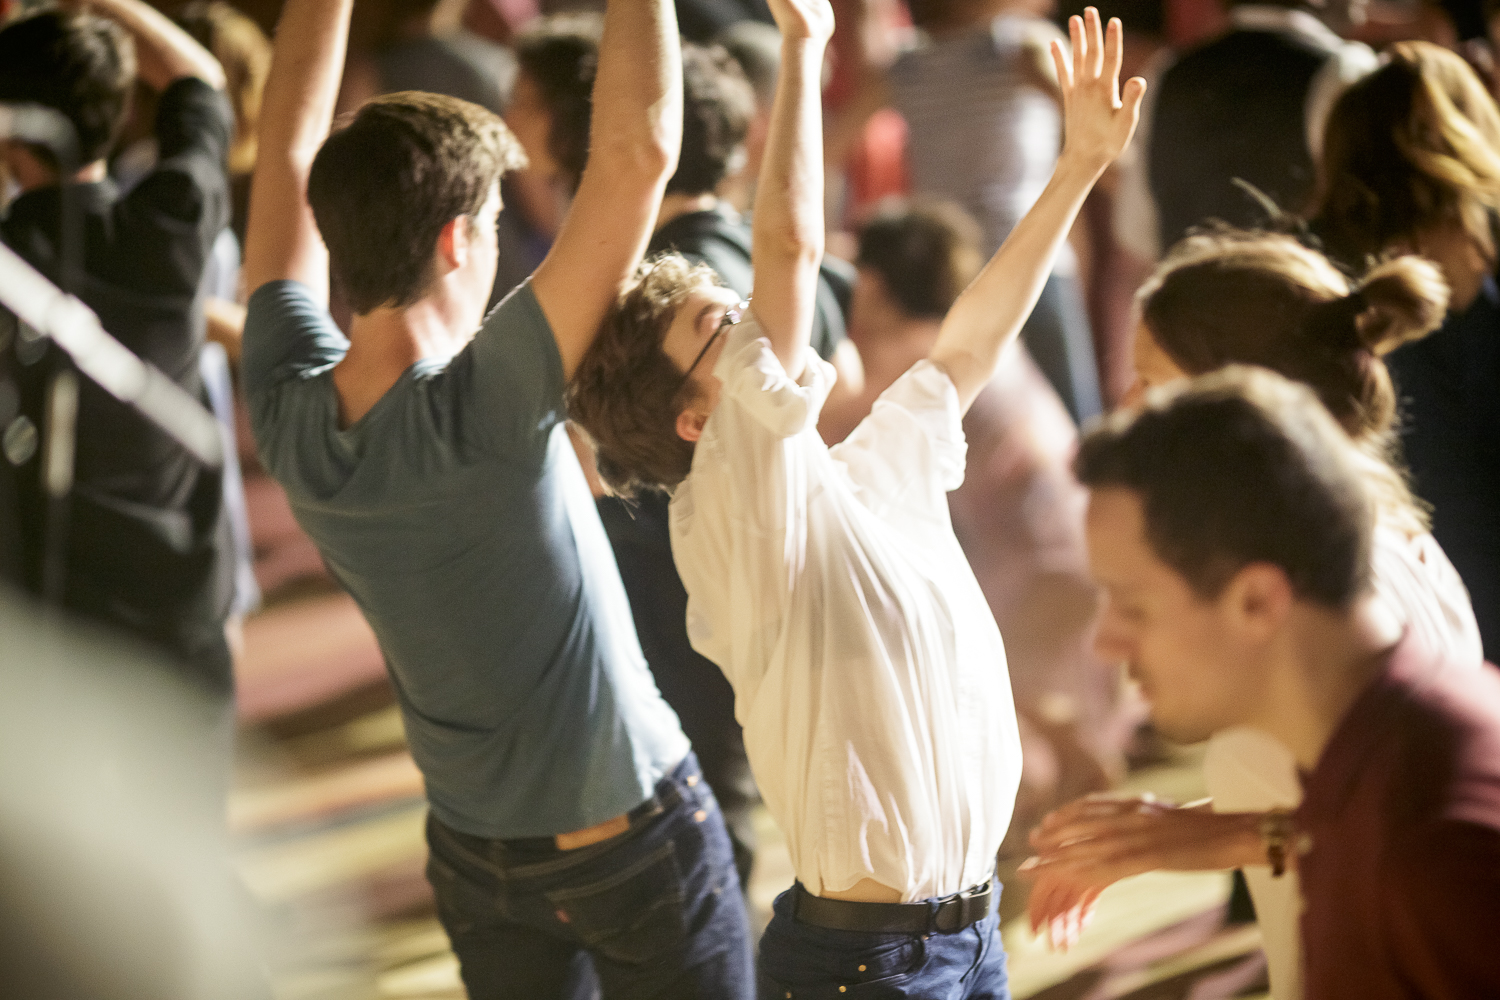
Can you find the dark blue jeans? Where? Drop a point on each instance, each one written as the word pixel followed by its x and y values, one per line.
pixel 653 912
pixel 802 962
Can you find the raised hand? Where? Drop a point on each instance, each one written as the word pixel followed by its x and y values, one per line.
pixel 803 18
pixel 1098 120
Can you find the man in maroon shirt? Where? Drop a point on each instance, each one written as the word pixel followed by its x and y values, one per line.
pixel 1230 526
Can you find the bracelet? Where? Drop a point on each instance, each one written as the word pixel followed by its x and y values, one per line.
pixel 1276 830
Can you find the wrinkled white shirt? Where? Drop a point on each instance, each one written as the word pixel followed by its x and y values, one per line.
pixel 868 672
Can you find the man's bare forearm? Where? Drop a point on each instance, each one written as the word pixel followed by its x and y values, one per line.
pixel 634 138
pixel 788 227
pixel 296 112
pixel 637 115
pixel 164 52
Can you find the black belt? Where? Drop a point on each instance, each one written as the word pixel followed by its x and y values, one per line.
pixel 935 916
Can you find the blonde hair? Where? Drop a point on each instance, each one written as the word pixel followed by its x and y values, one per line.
pixel 245 53
pixel 1264 299
pixel 1414 145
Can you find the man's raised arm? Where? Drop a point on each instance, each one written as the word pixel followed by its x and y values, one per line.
pixel 282 240
pixel 787 243
pixel 634 137
pixel 1097 126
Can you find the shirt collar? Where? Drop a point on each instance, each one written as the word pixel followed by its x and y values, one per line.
pixel 1258 17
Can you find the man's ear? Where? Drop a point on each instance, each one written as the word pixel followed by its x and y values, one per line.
pixel 690 425
pixel 453 243
pixel 1259 598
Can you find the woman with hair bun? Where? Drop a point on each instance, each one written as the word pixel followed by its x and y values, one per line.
pixel 1412 165
pixel 1267 300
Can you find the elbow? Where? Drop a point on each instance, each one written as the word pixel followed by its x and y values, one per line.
pixel 650 157
pixel 798 245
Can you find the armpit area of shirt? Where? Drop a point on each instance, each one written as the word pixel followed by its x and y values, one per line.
pixel 754 378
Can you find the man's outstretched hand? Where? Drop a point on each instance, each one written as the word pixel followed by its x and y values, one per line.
pixel 1086 846
pixel 1098 120
pixel 810 19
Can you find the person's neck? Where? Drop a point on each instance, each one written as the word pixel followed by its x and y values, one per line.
pixel 893 344
pixel 1322 664
pixel 385 342
pixel 677 204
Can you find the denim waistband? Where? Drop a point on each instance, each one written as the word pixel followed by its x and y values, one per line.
pixel 668 793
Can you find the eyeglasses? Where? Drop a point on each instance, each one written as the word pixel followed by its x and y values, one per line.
pixel 732 315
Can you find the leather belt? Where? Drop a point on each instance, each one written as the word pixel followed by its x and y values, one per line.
pixel 933 916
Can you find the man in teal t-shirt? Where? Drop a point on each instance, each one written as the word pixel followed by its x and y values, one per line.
pixel 572 839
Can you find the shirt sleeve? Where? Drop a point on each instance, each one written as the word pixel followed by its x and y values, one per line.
pixel 910 451
pixel 287 335
pixel 509 380
pixel 168 222
pixel 1443 921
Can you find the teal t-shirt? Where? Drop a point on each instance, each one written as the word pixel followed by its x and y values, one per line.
pixel 456 514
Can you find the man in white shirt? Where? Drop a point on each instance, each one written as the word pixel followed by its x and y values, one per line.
pixel 827 584
pixel 1251 104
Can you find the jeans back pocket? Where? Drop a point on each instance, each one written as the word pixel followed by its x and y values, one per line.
pixel 632 915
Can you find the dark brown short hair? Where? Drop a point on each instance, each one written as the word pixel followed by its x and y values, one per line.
pixel 561 56
pixel 926 252
pixel 78 64
pixel 1238 467
pixel 717 105
pixel 383 187
pixel 627 393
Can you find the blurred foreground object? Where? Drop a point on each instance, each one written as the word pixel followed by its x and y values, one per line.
pixel 116 881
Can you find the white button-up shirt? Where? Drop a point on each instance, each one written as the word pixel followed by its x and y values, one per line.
pixel 827 584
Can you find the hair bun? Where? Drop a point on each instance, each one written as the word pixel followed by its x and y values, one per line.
pixel 1400 301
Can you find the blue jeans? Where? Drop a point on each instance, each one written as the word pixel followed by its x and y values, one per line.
pixel 653 912
pixel 806 962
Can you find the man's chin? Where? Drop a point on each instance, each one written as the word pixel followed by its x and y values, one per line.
pixel 1181 731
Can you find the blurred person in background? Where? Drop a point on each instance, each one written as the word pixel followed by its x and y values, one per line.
pixel 757 49
pixel 1249 105
pixel 147 547
pixel 1412 165
pixel 1264 299
pixel 984 126
pixel 117 870
pixel 1018 514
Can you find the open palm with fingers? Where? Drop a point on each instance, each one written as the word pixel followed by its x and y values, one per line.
pixel 803 18
pixel 1098 117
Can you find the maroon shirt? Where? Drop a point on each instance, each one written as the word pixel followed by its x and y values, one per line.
pixel 1401 878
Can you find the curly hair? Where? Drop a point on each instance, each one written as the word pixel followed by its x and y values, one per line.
pixel 627 393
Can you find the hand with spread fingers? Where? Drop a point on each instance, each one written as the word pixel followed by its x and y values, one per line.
pixel 1098 118
pixel 1090 844
pixel 811 19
